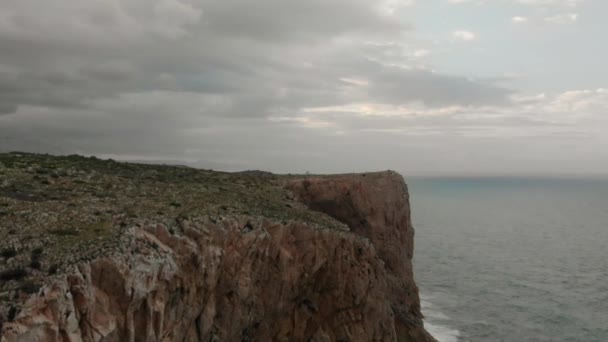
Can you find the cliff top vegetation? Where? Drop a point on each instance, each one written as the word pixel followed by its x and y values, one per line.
pixel 56 211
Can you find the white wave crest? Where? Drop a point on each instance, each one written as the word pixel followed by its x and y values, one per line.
pixel 442 333
pixel 436 321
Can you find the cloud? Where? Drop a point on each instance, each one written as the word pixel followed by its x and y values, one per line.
pixel 254 59
pixel 537 3
pixel 420 53
pixel 464 35
pixel 551 3
pixel 274 84
pixel 519 19
pixel 461 2
pixel 566 18
pixel 392 85
pixel 531 116
pixel 357 136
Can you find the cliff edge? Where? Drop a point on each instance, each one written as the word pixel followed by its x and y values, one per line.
pixel 376 207
pixel 96 250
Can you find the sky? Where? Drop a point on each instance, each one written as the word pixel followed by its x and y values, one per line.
pixel 434 87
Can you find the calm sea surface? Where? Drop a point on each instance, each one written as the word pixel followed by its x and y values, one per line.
pixel 501 259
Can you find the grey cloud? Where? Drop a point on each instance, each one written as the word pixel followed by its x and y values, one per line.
pixel 7 108
pixel 197 79
pixel 56 89
pixel 264 56
pixel 113 72
pixel 396 86
pixel 285 20
pixel 452 121
pixel 425 144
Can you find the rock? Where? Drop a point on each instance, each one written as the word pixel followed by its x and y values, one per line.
pixel 375 206
pixel 242 277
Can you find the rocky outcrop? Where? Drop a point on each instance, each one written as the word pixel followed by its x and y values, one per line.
pixel 375 206
pixel 244 278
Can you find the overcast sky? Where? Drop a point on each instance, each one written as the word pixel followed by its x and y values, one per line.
pixel 422 87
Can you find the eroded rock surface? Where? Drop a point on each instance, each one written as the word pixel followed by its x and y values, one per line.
pixel 375 206
pixel 271 276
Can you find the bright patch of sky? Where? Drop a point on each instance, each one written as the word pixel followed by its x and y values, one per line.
pixel 539 46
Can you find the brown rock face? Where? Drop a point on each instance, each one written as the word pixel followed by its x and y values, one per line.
pixel 248 279
pixel 375 206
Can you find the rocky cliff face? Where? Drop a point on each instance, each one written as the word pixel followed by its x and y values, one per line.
pixel 244 277
pixel 375 206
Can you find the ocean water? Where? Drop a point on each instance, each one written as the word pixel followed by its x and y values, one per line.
pixel 500 259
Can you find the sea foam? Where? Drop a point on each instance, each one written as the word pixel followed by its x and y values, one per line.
pixel 436 322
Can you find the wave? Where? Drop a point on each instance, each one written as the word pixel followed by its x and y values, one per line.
pixel 435 322
pixel 442 333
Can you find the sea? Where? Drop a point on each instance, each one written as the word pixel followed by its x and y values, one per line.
pixel 512 259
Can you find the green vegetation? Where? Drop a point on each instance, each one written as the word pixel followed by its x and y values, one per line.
pixel 8 253
pixel 35 258
pixel 13 274
pixel 29 287
pixel 68 209
pixel 64 232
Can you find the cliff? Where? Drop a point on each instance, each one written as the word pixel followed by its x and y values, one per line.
pixel 104 251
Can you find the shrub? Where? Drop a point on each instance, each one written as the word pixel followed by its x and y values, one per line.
pixel 35 258
pixel 12 313
pixel 35 264
pixel 29 287
pixel 53 269
pixel 13 274
pixel 9 253
pixel 64 232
